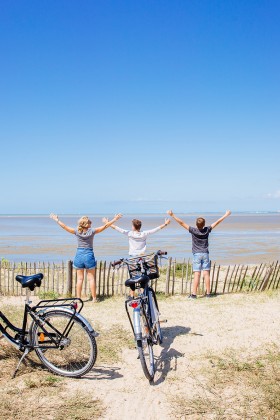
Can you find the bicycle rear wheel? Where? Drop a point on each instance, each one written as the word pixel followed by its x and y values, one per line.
pixel 76 352
pixel 145 350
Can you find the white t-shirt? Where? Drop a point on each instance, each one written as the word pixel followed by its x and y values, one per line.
pixel 137 240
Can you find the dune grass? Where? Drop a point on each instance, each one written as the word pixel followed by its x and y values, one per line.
pixel 233 387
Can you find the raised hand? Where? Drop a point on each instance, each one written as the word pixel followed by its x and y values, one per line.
pixel 170 212
pixel 167 221
pixel 54 217
pixel 105 220
pixel 228 212
pixel 117 216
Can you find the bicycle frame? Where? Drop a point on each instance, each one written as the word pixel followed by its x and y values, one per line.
pixel 34 312
pixel 142 299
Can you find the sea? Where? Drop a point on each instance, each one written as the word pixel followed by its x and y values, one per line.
pixel 248 238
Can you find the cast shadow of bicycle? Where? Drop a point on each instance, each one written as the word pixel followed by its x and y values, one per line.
pixel 103 372
pixel 168 354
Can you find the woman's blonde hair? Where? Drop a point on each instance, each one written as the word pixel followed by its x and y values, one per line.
pixel 83 223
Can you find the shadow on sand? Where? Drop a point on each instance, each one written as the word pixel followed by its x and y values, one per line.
pixel 169 354
pixel 103 372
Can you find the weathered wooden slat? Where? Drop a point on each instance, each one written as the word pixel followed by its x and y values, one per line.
pixel 104 279
pixel 239 278
pixel 217 280
pixel 167 281
pixel 225 282
pixel 270 284
pixel 113 282
pixel 108 279
pixel 259 280
pixel 187 276
pixel 212 278
pixel 266 278
pixel 234 280
pixel 252 278
pixel 173 276
pixel 230 279
pixel 182 282
pixel 276 277
pixel 99 278
pixel 243 279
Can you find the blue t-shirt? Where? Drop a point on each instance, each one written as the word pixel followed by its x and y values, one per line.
pixel 85 239
pixel 200 239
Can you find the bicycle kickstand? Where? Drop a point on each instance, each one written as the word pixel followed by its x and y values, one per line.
pixel 26 351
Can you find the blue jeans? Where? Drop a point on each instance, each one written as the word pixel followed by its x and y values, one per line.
pixel 201 261
pixel 84 258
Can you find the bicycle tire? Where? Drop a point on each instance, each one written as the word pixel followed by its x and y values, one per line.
pixel 156 329
pixel 77 354
pixel 145 351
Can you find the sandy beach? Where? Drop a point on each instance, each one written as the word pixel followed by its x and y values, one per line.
pixel 217 360
pixel 242 238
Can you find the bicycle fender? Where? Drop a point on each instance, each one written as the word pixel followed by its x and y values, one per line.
pixel 83 320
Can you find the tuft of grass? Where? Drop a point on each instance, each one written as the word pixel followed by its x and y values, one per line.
pixel 112 342
pixel 45 381
pixel 48 295
pixel 235 388
pixel 80 407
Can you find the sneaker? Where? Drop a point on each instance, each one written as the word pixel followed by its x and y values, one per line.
pixel 208 295
pixel 192 296
pixel 95 300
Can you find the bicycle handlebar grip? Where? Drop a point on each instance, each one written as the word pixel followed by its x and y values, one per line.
pixel 116 263
pixel 162 253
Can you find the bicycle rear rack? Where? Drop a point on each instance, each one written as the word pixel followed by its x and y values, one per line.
pixel 55 303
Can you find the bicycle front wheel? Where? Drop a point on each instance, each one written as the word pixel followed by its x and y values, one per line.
pixel 156 329
pixel 145 350
pixel 65 351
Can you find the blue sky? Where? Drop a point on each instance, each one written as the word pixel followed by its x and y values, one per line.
pixel 138 106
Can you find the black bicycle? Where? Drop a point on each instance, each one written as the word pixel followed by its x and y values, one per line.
pixel 62 338
pixel 145 321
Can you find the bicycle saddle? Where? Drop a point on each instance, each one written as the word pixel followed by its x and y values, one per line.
pixel 30 281
pixel 137 280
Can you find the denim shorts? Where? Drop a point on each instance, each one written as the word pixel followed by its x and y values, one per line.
pixel 201 261
pixel 84 258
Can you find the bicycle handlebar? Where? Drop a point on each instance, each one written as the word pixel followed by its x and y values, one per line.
pixel 117 263
pixel 122 260
pixel 161 253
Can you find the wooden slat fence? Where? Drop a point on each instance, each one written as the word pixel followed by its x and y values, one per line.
pixel 176 278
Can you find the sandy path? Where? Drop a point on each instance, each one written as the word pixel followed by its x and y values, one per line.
pixel 245 323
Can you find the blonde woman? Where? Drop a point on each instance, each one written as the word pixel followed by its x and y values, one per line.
pixel 84 258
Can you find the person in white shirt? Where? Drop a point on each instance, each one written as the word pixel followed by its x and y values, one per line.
pixel 137 238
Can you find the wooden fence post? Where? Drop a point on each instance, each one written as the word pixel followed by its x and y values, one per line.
pixel 225 282
pixel 266 278
pixel 213 277
pixel 69 278
pixel 168 269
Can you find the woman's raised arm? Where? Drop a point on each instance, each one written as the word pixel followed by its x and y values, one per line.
pixel 108 224
pixel 61 224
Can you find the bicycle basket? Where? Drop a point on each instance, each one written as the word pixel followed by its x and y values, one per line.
pixel 150 265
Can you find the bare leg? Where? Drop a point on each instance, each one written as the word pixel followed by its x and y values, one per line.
pixel 206 275
pixel 92 282
pixel 196 282
pixel 80 279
